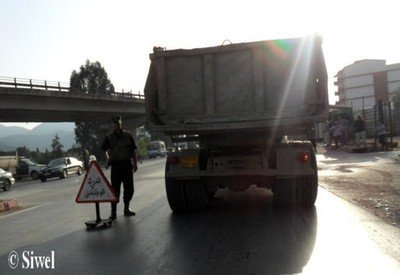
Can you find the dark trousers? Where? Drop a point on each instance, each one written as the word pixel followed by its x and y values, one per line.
pixel 121 172
pixel 382 139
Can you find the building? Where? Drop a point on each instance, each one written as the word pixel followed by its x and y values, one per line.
pixel 362 84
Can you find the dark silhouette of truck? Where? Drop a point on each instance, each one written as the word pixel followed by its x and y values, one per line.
pixel 248 106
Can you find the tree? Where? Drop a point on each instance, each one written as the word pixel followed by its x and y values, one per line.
pixel 90 136
pixel 91 79
pixel 23 152
pixel 56 147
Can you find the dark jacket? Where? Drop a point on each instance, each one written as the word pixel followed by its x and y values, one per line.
pixel 359 125
pixel 121 146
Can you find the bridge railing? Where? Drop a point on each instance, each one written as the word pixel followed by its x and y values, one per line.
pixel 129 93
pixel 35 84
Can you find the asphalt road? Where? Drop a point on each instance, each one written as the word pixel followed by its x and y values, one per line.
pixel 242 233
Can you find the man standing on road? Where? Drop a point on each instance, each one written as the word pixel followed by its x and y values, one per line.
pixel 337 134
pixel 119 148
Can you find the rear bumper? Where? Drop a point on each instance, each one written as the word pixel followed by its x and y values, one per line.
pixel 240 173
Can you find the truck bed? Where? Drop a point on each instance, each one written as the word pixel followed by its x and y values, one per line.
pixel 276 84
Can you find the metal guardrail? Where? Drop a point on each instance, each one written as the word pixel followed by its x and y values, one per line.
pixel 33 84
pixel 46 85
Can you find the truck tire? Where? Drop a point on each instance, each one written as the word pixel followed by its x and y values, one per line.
pixel 34 175
pixel 6 185
pixel 197 197
pixel 175 195
pixel 307 187
pixel 284 192
pixel 307 190
pixel 302 190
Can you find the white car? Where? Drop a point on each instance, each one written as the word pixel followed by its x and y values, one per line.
pixel 61 168
pixel 6 180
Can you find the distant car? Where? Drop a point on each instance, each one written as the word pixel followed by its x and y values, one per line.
pixel 6 179
pixel 156 149
pixel 61 167
pixel 29 167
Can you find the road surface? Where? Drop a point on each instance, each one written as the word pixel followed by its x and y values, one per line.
pixel 242 233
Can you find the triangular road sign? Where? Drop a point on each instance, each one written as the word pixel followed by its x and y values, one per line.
pixel 95 187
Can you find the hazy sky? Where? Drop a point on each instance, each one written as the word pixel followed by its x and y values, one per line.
pixel 47 39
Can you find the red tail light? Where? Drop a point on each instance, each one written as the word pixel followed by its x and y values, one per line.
pixel 304 157
pixel 174 160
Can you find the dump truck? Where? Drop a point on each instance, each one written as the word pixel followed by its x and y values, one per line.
pixel 19 166
pixel 248 106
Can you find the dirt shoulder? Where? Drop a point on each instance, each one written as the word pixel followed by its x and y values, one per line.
pixel 370 180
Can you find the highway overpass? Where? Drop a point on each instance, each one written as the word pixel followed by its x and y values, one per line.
pixel 23 100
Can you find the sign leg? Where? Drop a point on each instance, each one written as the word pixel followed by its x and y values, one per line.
pixel 98 219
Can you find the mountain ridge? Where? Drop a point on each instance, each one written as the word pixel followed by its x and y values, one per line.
pixel 40 137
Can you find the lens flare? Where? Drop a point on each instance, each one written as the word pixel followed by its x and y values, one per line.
pixel 290 63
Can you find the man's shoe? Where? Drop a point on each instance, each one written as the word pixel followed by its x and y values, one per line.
pixel 128 212
pixel 113 217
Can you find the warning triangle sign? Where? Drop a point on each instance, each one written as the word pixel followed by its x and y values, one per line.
pixel 95 187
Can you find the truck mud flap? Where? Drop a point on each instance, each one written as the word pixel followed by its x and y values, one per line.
pixel 285 192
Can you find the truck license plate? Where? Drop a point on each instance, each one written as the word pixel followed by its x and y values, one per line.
pixel 189 161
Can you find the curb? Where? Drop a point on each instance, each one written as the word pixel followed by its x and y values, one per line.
pixel 8 205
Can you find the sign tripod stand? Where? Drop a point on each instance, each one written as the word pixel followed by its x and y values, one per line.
pixel 95 188
pixel 98 222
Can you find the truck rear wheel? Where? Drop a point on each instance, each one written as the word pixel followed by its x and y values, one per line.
pixel 307 187
pixel 284 192
pixel 186 195
pixel 197 197
pixel 175 195
pixel 307 190
pixel 301 190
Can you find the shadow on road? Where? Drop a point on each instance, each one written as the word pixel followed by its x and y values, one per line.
pixel 243 233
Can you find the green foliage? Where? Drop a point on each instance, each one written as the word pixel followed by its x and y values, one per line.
pixel 42 158
pixel 89 135
pixel 57 147
pixel 91 79
pixel 23 152
pixel 142 147
pixel 39 157
pixel 75 151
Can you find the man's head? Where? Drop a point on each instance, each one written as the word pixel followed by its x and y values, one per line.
pixel 116 122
